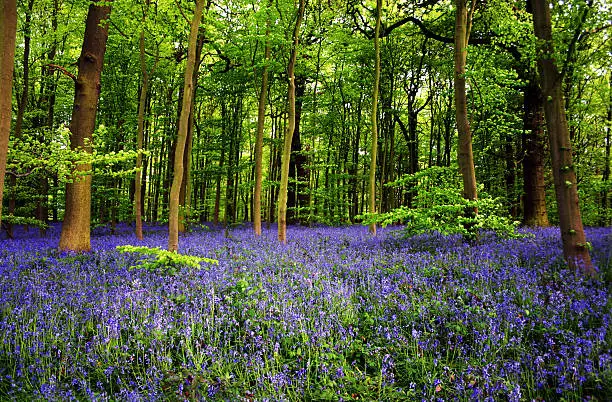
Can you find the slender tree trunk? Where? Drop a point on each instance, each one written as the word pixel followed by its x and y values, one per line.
pixel 374 119
pixel 575 248
pixel 22 105
pixel 605 194
pixel 284 182
pixel 297 197
pixel 140 135
pixel 173 218
pixel 448 125
pixel 464 151
pixel 47 98
pixel 217 209
pixel 534 187
pixel 8 30
pixel 140 177
pixel 261 118
pixel 185 192
pixel 355 163
pixel 75 234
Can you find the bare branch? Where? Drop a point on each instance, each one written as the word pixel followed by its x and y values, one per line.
pixel 63 70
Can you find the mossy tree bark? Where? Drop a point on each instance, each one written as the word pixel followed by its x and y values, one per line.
pixel 173 213
pixel 284 182
pixel 75 234
pixel 8 31
pixel 575 247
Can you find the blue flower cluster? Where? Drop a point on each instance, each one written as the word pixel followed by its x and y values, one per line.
pixel 333 315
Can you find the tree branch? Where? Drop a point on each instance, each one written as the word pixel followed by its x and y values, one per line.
pixel 63 70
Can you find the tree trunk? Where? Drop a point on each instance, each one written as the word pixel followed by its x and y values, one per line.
pixel 575 247
pixel 139 139
pixel 284 182
pixel 47 99
pixel 185 192
pixel 261 118
pixel 217 208
pixel 22 105
pixel 8 30
pixel 173 217
pixel 605 194
pixel 75 234
pixel 297 198
pixel 374 119
pixel 534 200
pixel 464 151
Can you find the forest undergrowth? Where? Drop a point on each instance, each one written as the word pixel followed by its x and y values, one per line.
pixel 333 315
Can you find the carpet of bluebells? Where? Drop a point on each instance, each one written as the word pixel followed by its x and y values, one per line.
pixel 333 315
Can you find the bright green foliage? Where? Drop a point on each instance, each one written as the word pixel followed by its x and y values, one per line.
pixel 437 205
pixel 21 220
pixel 164 261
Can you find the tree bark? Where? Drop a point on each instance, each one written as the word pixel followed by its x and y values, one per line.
pixel 173 217
pixel 47 99
pixel 22 105
pixel 185 192
pixel 284 182
pixel 297 198
pixel 8 31
pixel 374 119
pixel 261 118
pixel 75 234
pixel 465 155
pixel 534 187
pixel 605 194
pixel 142 104
pixel 139 139
pixel 575 247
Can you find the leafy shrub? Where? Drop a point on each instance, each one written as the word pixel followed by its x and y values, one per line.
pixel 437 205
pixel 164 261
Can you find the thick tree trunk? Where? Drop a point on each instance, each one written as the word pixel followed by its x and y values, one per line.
pixel 8 30
pixel 173 217
pixel 374 119
pixel 284 182
pixel 464 150
pixel 534 187
pixel 75 234
pixel 575 247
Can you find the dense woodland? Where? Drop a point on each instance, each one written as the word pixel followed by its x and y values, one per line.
pixel 305 200
pixel 303 112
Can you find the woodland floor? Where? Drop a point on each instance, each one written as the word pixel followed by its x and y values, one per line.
pixel 334 315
